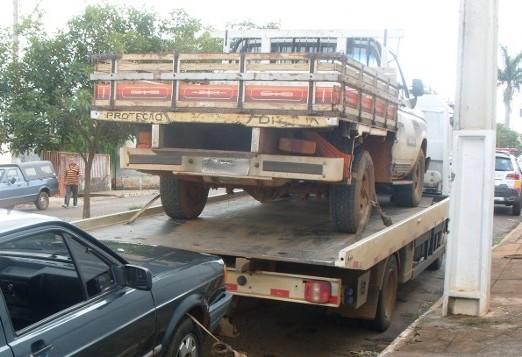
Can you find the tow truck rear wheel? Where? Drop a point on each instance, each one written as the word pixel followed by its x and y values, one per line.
pixel 350 205
pixel 182 199
pixel 411 195
pixel 515 209
pixel 387 298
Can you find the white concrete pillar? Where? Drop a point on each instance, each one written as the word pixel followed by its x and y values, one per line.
pixel 468 266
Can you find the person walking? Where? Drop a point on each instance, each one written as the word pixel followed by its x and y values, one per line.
pixel 72 180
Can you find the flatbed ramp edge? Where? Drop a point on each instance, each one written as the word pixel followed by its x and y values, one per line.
pixel 287 251
pixel 293 231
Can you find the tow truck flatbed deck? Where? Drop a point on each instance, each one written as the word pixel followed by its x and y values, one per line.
pixel 292 230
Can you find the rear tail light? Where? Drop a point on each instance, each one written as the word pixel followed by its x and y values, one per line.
pixel 513 176
pixel 318 291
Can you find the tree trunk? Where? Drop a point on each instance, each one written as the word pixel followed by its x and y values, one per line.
pixel 508 95
pixel 507 119
pixel 87 186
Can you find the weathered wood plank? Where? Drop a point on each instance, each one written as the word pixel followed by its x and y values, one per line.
pixel 277 67
pixel 250 120
pixel 191 66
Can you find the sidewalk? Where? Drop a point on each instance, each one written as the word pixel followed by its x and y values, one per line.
pixel 499 333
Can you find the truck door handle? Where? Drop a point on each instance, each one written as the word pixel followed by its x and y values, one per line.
pixel 40 349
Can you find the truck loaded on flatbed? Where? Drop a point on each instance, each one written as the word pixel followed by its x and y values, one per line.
pixel 302 120
pixel 288 250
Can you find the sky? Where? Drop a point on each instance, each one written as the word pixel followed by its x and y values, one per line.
pixel 428 50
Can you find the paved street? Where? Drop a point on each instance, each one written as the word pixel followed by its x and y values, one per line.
pixel 99 205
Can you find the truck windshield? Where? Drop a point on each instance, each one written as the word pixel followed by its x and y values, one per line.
pixel 503 164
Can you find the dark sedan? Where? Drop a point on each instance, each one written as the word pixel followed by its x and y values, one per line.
pixel 65 293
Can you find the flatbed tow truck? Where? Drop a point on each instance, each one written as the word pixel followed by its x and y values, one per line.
pixel 288 250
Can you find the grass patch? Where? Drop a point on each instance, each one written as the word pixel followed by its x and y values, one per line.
pixel 133 207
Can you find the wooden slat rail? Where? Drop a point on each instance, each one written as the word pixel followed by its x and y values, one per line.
pixel 332 83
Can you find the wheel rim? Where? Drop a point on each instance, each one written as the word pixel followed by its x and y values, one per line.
pixel 390 295
pixel 188 347
pixel 417 177
pixel 43 200
pixel 364 199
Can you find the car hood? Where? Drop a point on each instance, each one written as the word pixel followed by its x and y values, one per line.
pixel 156 258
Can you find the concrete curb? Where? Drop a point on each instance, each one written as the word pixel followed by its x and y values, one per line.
pixel 406 335
pixel 508 236
pixel 123 217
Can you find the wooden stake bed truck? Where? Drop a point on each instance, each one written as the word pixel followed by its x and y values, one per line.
pixel 288 251
pixel 272 124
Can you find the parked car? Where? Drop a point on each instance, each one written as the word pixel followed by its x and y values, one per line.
pixel 65 293
pixel 28 182
pixel 508 182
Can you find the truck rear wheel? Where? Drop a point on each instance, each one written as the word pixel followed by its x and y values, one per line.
pixel 515 209
pixel 411 195
pixel 387 297
pixel 350 205
pixel 182 199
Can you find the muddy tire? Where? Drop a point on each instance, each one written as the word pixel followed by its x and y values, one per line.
pixel 411 195
pixel 42 201
pixel 515 209
pixel 186 341
pixel 182 199
pixel 387 298
pixel 350 205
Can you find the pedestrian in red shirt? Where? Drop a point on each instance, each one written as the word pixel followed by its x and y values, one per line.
pixel 72 180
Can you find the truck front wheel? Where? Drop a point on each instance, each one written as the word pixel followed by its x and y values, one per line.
pixel 182 199
pixel 350 205
pixel 411 195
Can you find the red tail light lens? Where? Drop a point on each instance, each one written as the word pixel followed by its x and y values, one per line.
pixel 318 291
pixel 513 176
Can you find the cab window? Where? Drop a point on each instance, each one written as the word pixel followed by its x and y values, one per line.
pixel 503 164
pixel 12 173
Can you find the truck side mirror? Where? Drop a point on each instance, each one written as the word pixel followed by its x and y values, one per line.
pixel 417 88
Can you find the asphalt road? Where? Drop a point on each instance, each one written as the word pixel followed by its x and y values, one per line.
pixel 99 205
pixel 270 329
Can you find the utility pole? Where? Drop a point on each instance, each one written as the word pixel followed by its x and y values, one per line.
pixel 15 30
pixel 468 264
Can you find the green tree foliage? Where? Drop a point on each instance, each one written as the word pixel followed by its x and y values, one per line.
pixel 249 25
pixel 47 92
pixel 511 78
pixel 507 138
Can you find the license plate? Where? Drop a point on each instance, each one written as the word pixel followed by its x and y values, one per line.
pixel 236 167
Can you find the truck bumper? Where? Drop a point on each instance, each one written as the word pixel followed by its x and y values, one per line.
pixel 232 164
pixel 279 286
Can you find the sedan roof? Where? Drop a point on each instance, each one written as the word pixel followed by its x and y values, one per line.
pixel 11 220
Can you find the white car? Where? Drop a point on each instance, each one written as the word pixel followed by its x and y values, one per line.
pixel 508 182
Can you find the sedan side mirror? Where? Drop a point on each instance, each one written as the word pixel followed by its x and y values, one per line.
pixel 137 277
pixel 417 88
pixel 12 180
